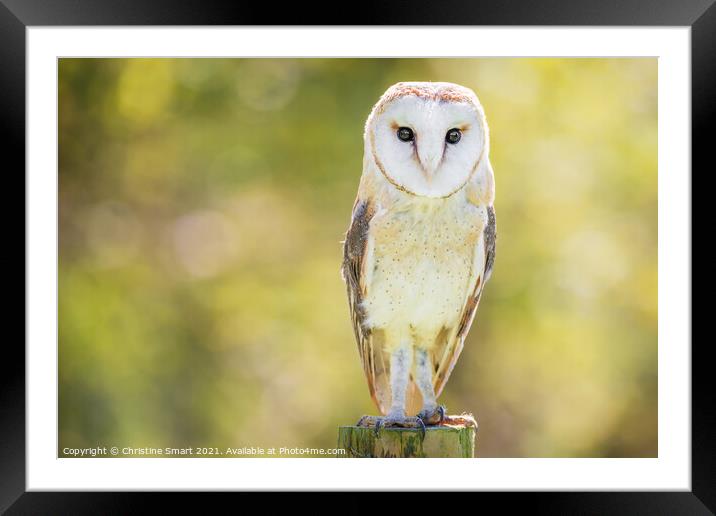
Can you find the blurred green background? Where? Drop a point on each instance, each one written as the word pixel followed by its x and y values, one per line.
pixel 202 205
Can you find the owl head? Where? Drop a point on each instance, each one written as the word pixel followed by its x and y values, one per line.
pixel 427 138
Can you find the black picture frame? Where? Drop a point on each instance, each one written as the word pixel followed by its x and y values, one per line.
pixel 17 15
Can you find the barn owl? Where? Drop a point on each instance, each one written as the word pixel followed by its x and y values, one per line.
pixel 421 244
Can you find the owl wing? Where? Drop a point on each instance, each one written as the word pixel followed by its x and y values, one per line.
pixel 451 341
pixel 357 263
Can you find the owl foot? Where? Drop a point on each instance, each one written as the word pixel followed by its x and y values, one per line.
pixel 433 416
pixel 378 422
pixel 400 422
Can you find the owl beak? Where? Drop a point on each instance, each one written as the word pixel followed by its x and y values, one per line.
pixel 430 157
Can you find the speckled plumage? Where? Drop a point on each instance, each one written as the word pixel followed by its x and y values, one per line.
pixel 421 242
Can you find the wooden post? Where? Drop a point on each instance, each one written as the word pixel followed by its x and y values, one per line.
pixel 446 441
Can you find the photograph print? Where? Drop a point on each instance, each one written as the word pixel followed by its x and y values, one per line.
pixel 372 257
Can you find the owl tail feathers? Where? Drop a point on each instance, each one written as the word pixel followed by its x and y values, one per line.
pixel 382 398
pixel 413 399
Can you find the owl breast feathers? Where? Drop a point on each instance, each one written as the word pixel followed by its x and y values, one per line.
pixel 421 242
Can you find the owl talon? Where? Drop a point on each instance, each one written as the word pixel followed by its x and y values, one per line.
pixel 422 429
pixel 433 417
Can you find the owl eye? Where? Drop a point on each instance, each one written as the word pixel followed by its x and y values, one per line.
pixel 405 134
pixel 453 136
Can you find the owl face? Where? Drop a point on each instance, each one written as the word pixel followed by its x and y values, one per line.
pixel 427 138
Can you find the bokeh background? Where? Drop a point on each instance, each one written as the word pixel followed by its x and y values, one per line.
pixel 201 207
